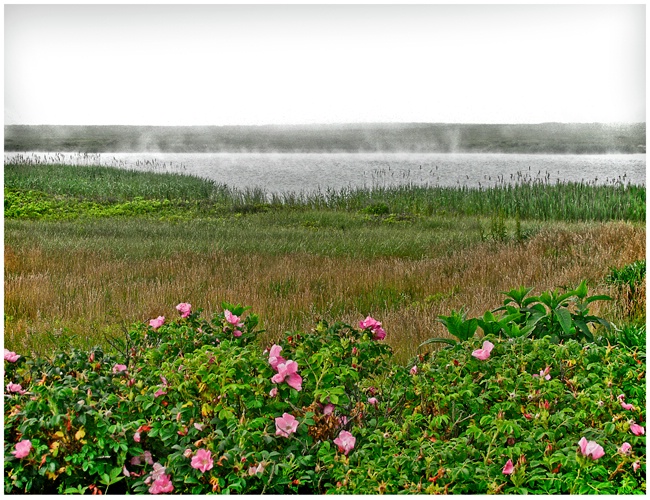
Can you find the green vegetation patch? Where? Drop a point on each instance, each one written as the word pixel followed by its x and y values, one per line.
pixel 191 405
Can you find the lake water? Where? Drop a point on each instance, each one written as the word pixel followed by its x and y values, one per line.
pixel 298 172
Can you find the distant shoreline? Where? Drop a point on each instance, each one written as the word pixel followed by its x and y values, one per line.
pixel 545 138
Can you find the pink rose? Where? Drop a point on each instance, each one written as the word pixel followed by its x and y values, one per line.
pixel 255 470
pixel 162 485
pixel 273 392
pixel 369 323
pixel 328 409
pixel 374 326
pixel 636 465
pixel 185 309
pixel 157 323
pixel 373 401
pixel 636 429
pixel 483 353
pixel 285 425
pixel 232 319
pixel 274 357
pixel 11 356
pixel 508 468
pixel 288 371
pixel 345 442
pixel 590 449
pixel 544 373
pixel 414 370
pixel 159 392
pixel 202 460
pixel 119 368
pixel 17 388
pixel 22 448
pixel 625 449
pixel 137 437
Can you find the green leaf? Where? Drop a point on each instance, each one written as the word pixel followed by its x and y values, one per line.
pixel 564 318
pixel 438 339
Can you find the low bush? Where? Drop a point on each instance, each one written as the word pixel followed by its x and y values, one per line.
pixel 195 406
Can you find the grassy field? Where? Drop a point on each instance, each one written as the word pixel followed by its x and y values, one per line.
pixel 89 250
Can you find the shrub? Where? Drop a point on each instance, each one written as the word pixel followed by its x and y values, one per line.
pixel 197 406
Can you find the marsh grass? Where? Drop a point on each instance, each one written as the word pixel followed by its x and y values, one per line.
pixel 90 280
pixel 526 198
pixel 90 249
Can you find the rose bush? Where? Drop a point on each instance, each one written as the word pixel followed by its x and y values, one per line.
pixel 191 405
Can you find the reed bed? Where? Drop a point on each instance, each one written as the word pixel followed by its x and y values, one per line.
pixel 89 290
pixel 525 197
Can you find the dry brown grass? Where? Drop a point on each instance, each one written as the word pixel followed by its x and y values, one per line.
pixel 91 293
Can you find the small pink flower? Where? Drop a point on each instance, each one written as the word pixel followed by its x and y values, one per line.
pixel 147 457
pixel 345 442
pixel 202 460
pixel 590 448
pixel 508 468
pixel 137 437
pixel 274 357
pixel 157 323
pixel 17 388
pixel 162 485
pixel 255 470
pixel 373 401
pixel 636 465
pixel 625 449
pixel 379 334
pixel 544 373
pixel 22 448
pixel 119 368
pixel 198 427
pixel 273 392
pixel 369 323
pixel 285 425
pixel 232 319
pixel 483 353
pixel 636 429
pixel 188 453
pixel 413 370
pixel 236 333
pixel 343 420
pixel 374 326
pixel 185 309
pixel 159 392
pixel 627 406
pixel 288 371
pixel 11 356
pixel 136 460
pixel 328 409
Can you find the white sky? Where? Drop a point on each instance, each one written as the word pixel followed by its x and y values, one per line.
pixel 260 64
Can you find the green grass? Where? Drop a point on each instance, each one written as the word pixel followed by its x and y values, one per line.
pixel 89 249
pixel 326 233
pixel 64 191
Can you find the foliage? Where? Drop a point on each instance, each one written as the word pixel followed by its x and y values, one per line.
pixel 202 399
pixel 631 275
pixel 560 316
pixel 629 284
pixel 102 187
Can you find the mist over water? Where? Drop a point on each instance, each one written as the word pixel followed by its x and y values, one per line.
pixel 308 172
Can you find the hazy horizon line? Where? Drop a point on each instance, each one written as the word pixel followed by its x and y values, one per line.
pixel 317 124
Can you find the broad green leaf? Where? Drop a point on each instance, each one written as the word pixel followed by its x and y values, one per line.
pixel 564 318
